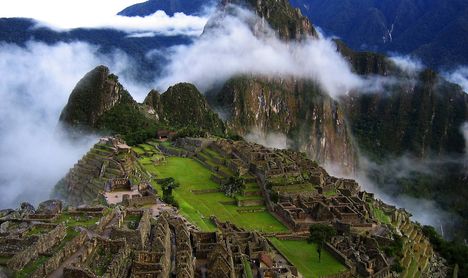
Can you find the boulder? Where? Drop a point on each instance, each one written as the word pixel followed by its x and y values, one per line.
pixel 50 207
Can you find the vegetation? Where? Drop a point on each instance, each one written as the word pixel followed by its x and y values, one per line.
pixel 167 186
pixel 31 267
pixel 127 120
pixel 456 253
pixel 379 214
pixel 304 257
pixel 198 208
pixel 233 186
pixel 247 268
pixel 319 234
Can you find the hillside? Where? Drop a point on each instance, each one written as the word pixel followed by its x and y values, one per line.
pixel 434 31
pixel 127 212
pixel 188 7
pixel 101 104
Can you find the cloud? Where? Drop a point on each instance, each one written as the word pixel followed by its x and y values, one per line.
pixel 230 46
pixel 274 140
pixel 35 84
pixel 407 63
pixel 464 131
pixel 65 15
pixel 459 76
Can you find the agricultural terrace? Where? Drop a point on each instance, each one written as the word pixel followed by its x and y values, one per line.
pixel 304 256
pixel 199 196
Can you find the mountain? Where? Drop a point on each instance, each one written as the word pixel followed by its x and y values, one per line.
pixel 416 114
pixel 434 31
pixel 99 102
pixel 288 22
pixel 170 7
pixel 298 109
pixel 21 30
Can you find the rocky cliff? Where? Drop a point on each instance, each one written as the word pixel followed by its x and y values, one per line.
pixel 183 105
pixel 313 122
pixel 289 23
pixel 95 94
pixel 100 103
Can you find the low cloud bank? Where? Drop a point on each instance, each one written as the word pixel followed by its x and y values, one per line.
pixel 459 76
pixel 382 180
pixel 65 15
pixel 35 84
pixel 230 46
pixel 407 63
pixel 274 140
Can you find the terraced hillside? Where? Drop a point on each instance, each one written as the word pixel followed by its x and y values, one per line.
pixel 109 159
pixel 200 196
pixel 284 193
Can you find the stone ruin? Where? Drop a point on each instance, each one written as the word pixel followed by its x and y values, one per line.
pixel 109 159
pixel 130 240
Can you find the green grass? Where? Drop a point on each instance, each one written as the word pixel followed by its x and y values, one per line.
pixel 213 153
pixel 198 208
pixel 4 260
pixel 37 231
pixel 31 267
pixel 412 269
pixel 138 150
pixel 331 192
pixel 380 215
pixel 77 220
pixel 304 256
pixel 247 269
pixel 293 188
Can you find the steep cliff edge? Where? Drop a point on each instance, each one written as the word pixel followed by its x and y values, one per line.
pixel 183 105
pixel 313 122
pixel 95 94
pixel 287 21
pixel 100 103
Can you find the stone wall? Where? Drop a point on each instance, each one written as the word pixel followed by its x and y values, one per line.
pixel 120 264
pixel 75 272
pixel 42 245
pixel 58 258
pixel 141 201
pixel 104 221
pixel 339 256
pixel 250 203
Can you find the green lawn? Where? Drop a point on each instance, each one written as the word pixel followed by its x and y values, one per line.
pixel 380 215
pixel 304 256
pixel 199 207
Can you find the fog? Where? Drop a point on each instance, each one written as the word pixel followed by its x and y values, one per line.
pixel 65 15
pixel 408 64
pixel 230 46
pixel 35 84
pixel 275 140
pixel 459 76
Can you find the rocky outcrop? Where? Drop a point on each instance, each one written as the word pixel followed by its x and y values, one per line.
pixel 420 116
pixel 287 21
pixel 313 122
pixel 182 105
pixel 108 159
pixel 96 93
pixel 100 103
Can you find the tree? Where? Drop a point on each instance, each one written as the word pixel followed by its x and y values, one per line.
pixel 319 234
pixel 167 185
pixel 234 185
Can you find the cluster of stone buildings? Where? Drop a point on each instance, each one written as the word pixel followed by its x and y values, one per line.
pixel 301 193
pixel 110 158
pixel 137 235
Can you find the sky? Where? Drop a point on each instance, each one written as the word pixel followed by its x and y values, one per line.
pixel 64 15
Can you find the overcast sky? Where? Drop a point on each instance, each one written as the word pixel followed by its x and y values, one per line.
pixel 63 14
